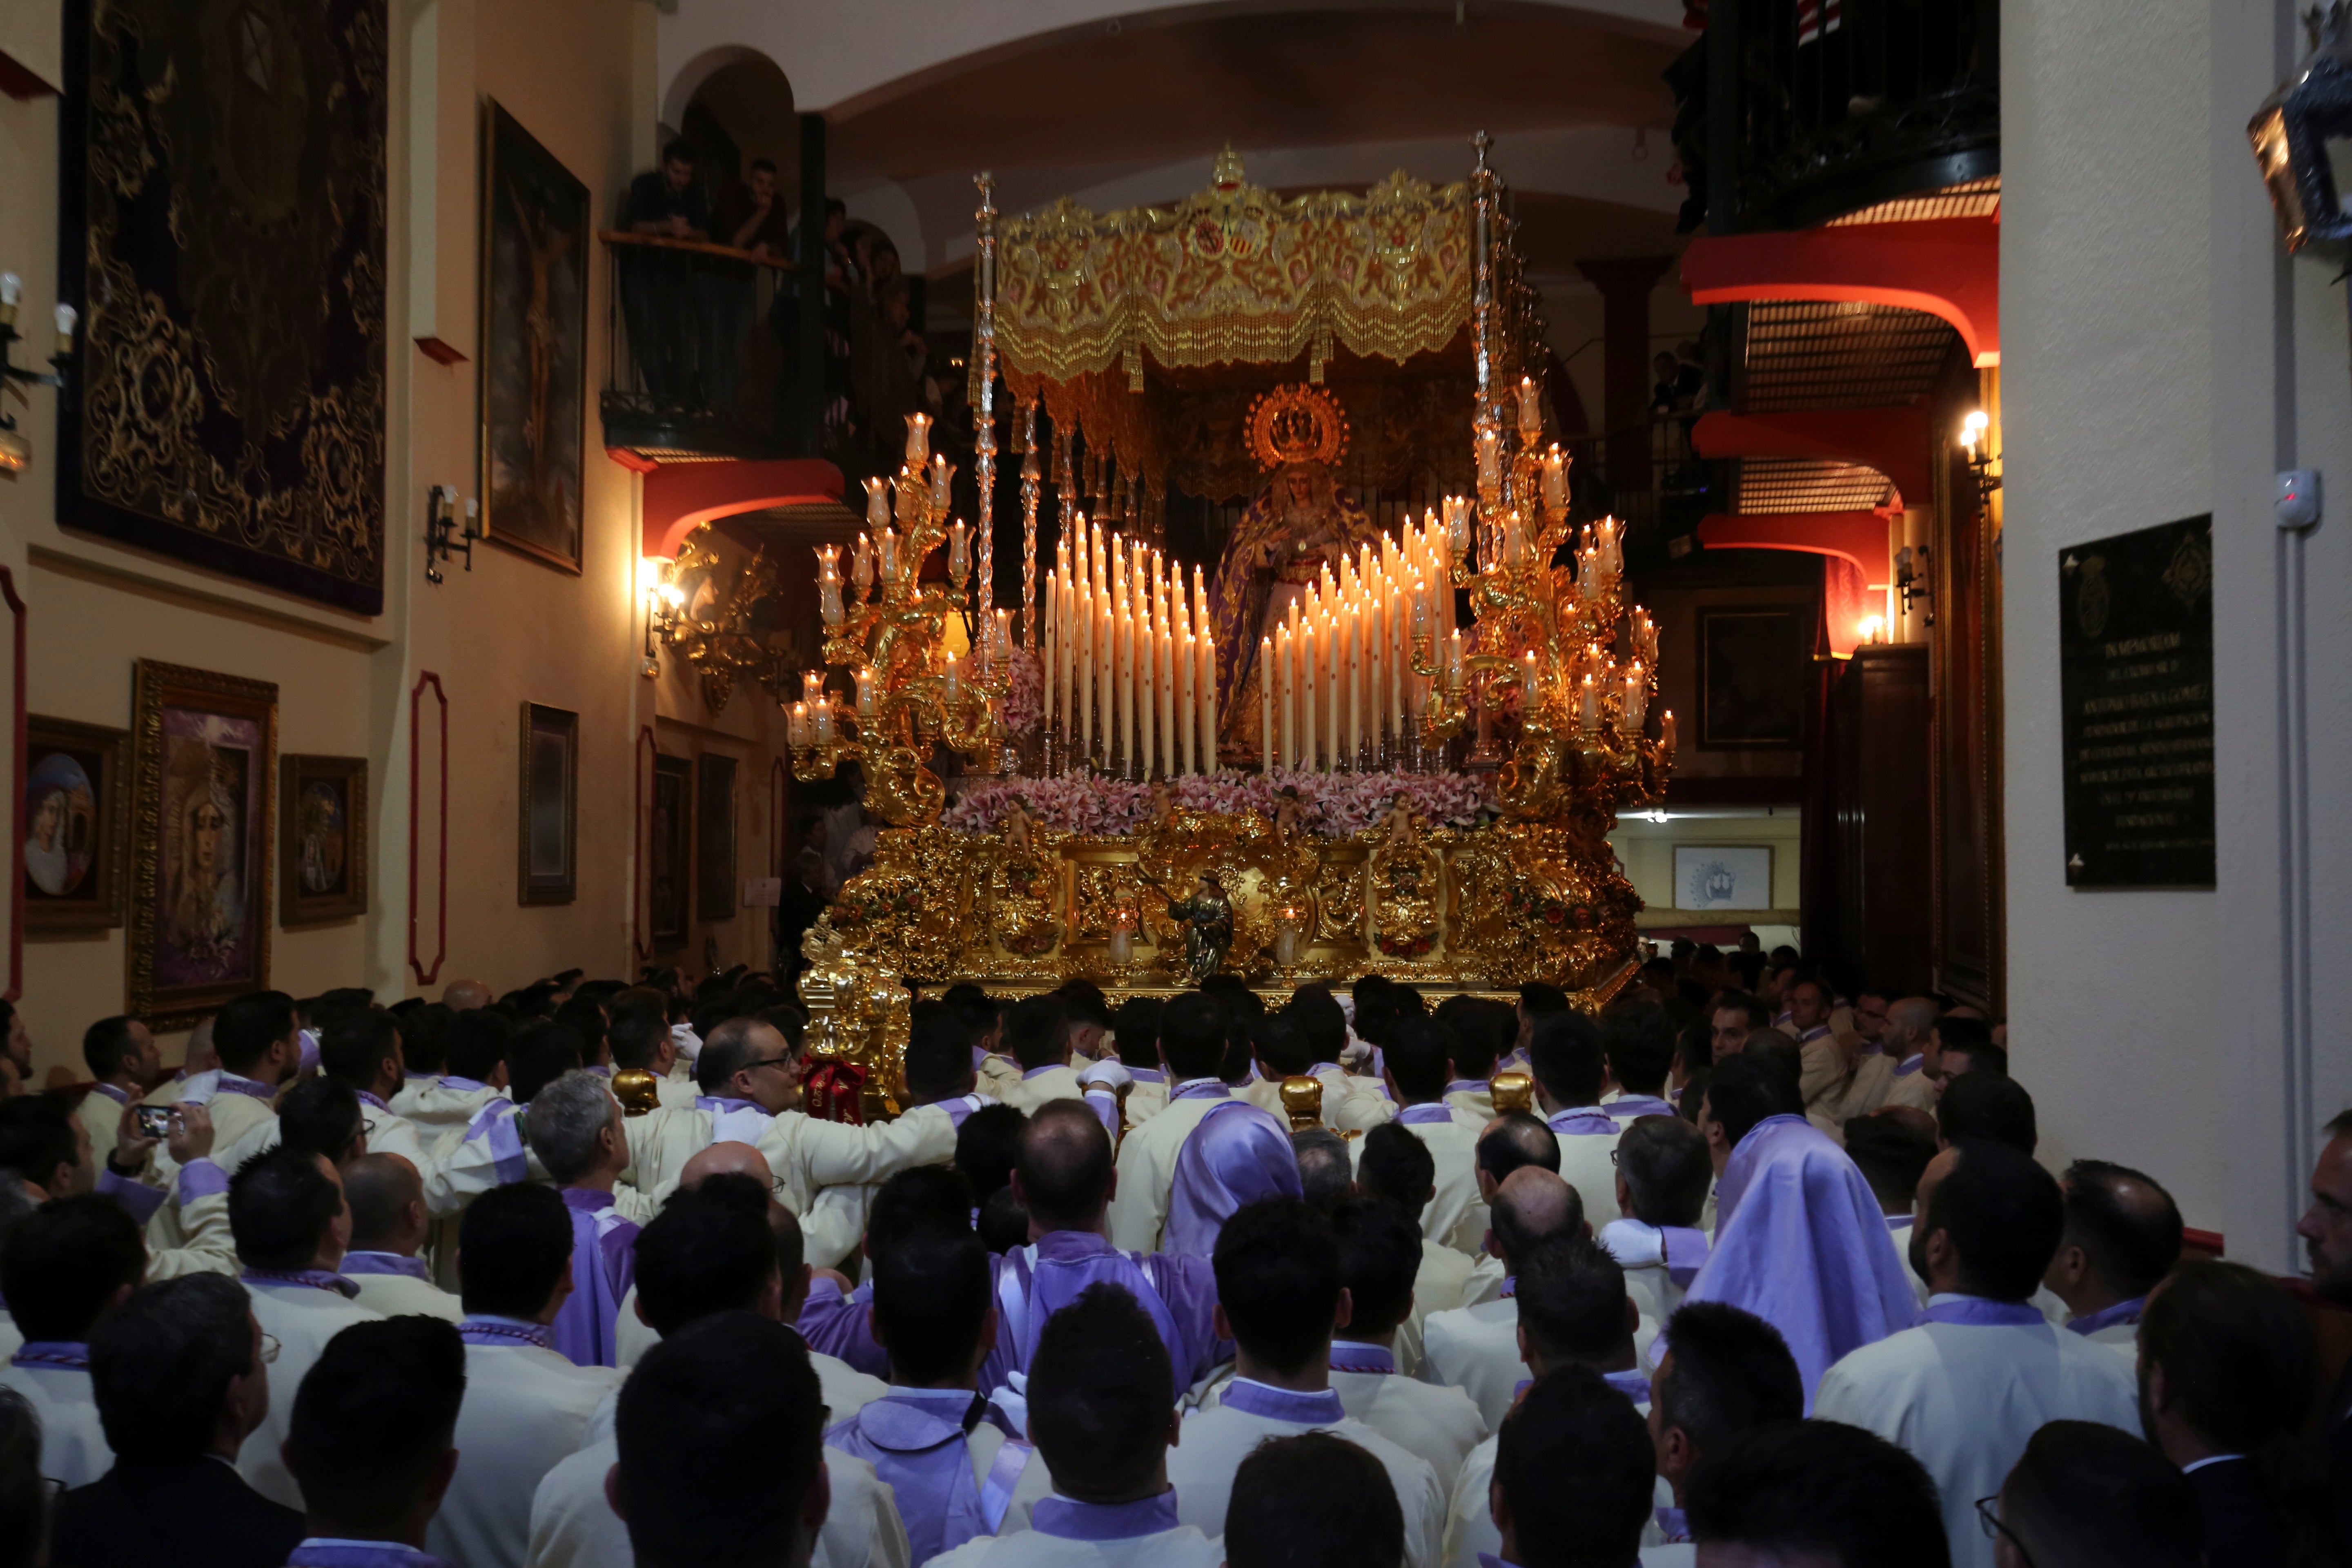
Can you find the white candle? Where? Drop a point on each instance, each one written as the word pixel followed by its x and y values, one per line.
pixel 1124 652
pixel 918 439
pixel 1453 661
pixel 821 712
pixel 796 726
pixel 1287 695
pixel 861 564
pixel 1167 672
pixel 1207 679
pixel 1188 657
pixel 1351 656
pixel 1637 699
pixel 1589 708
pixel 1266 704
pixel 1310 677
pixel 878 505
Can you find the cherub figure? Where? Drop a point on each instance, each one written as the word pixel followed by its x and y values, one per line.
pixel 1163 807
pixel 1403 828
pixel 1289 817
pixel 1016 824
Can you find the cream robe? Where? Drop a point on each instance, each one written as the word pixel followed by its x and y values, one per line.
pixel 1964 1398
pixel 1915 1090
pixel 302 1319
pixel 1440 1285
pixel 1027 1094
pixel 387 1133
pixel 1636 1248
pixel 1866 1091
pixel 11 1340
pixel 1822 1080
pixel 437 1107
pixel 1363 1104
pixel 573 1525
pixel 203 1222
pixel 995 1074
pixel 1588 1163
pixel 1477 1350
pixel 846 1390
pixel 101 1117
pixel 400 1296
pixel 1146 1100
pixel 1436 1426
pixel 73 1443
pixel 1182 1547
pixel 1147 1170
pixel 234 1116
pixel 1453 1149
pixel 806 1155
pixel 1216 1440
pixel 526 1410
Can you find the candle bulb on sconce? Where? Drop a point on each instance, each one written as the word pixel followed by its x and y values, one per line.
pixel 951 676
pixel 959 553
pixel 918 439
pixel 796 725
pixel 1636 698
pixel 1588 706
pixel 865 693
pixel 821 717
pixel 878 505
pixel 887 550
pixel 1530 409
pixel 1555 480
pixel 861 565
pixel 942 474
pixel 65 316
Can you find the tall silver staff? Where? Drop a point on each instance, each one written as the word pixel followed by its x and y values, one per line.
pixel 983 371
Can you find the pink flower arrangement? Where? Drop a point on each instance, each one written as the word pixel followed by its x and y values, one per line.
pixel 1023 704
pixel 1338 806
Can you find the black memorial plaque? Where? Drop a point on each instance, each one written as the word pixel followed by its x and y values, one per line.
pixel 2136 680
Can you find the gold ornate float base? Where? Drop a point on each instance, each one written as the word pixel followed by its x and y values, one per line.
pixel 1480 911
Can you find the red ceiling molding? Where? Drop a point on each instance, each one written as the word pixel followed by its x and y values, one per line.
pixel 1856 536
pixel 20 80
pixel 440 353
pixel 426 975
pixel 1894 441
pixel 1947 267
pixel 681 497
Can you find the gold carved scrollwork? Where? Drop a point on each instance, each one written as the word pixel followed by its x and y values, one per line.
pixel 1339 901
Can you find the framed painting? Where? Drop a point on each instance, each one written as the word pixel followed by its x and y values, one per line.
pixel 221 202
pixel 672 851
pixel 204 757
pixel 533 349
pixel 76 819
pixel 547 869
pixel 714 838
pixel 322 839
pixel 1752 665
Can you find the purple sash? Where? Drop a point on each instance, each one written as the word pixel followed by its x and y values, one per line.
pixel 914 1447
pixel 1201 1088
pixel 961 1106
pixel 1236 1155
pixel 837 1325
pixel 503 1332
pixel 2105 1316
pixel 1036 1281
pixel 1909 1065
pixel 71 1354
pixel 385 1263
pixel 317 1279
pixel 1981 1311
pixel 1683 1248
pixel 112 1093
pixel 249 1088
pixel 1634 1386
pixel 604 1267
pixel 496 1129
pixel 1673 1525
pixel 1585 1121
pixel 1058 1516
pixel 1424 1115
pixel 1626 1107
pixel 1322 1408
pixel 368 1098
pixel 324 1553
pixel 1353 1355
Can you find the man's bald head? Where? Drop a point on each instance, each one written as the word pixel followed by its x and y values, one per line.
pixel 387 1200
pixel 464 995
pixel 731 1158
pixel 1533 1203
pixel 1511 1141
pixel 1062 1167
pixel 2125 1225
pixel 1911 1019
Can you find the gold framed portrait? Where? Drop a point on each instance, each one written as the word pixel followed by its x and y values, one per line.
pixel 322 843
pixel 548 851
pixel 76 816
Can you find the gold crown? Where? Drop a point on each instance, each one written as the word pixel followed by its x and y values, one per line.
pixel 1296 423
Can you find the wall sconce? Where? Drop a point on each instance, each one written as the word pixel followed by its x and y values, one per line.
pixel 1976 439
pixel 664 600
pixel 1911 582
pixel 442 538
pixel 727 622
pixel 1873 629
pixel 15 452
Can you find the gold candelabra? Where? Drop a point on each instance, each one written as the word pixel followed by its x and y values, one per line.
pixel 1583 660
pixel 909 690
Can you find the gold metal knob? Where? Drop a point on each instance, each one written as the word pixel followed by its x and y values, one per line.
pixel 1302 1101
pixel 1512 1092
pixel 637 1091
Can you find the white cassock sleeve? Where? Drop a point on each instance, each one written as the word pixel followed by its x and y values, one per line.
pixel 204 1219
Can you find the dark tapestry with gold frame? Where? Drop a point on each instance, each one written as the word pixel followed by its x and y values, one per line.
pixel 222 227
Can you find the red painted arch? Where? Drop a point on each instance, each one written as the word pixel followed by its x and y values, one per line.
pixel 1948 267
pixel 681 497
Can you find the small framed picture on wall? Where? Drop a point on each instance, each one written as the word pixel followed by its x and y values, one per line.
pixel 322 840
pixel 547 851
pixel 77 815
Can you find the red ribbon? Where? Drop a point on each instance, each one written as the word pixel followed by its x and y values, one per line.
pixel 835 1092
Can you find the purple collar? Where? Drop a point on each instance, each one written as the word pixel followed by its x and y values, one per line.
pixel 1467 1086
pixel 1980 1312
pixel 317 1279
pixel 368 1098
pixel 1673 1525
pixel 384 1263
pixel 1488 1560
pixel 1320 1068
pixel 1633 1383
pixel 1583 1121
pixel 1510 1288
pixel 1909 1065
pixel 1147 1075
pixel 1028 1073
pixel 720 1104
pixel 1815 1033
pixel 1060 1246
pixel 2107 1317
pixel 1424 1115
pixel 1868 1049
pixel 1252 1397
pixel 112 1093
pixel 1354 1355
pixel 463 1085
pixel 324 1552
pixel 1202 1088
pixel 1627 1106
pixel 229 1083
pixel 587 1200
pixel 490 1331
pixel 72 1354
pixel 1059 1516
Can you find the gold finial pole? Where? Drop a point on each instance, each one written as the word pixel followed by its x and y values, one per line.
pixel 984 371
pixel 1029 482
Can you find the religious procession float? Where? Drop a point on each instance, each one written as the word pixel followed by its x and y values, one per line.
pixel 1357 749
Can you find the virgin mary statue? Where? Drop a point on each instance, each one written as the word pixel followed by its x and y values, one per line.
pixel 1300 523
